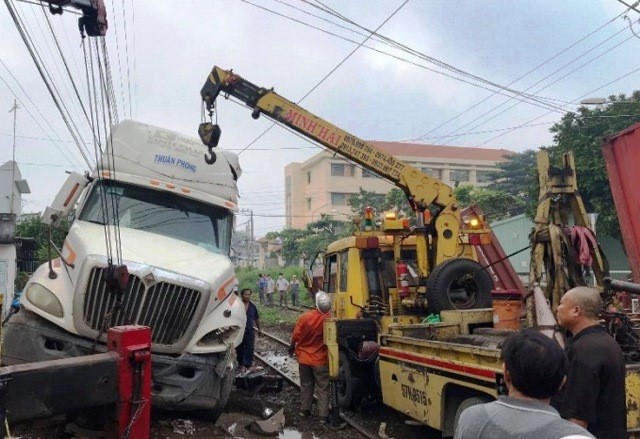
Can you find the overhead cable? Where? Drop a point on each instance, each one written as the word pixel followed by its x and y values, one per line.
pixel 53 95
pixel 330 72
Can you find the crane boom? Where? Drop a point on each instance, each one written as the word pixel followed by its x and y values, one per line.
pixel 422 190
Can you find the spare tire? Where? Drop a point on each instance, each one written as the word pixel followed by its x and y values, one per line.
pixel 458 284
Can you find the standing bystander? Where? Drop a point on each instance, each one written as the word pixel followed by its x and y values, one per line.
pixel 294 287
pixel 534 368
pixel 262 287
pixel 594 395
pixel 244 351
pixel 271 287
pixel 307 341
pixel 283 286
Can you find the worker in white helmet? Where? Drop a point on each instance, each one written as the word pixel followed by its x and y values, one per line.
pixel 307 341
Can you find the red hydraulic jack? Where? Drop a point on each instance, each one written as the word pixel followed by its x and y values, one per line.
pixel 119 378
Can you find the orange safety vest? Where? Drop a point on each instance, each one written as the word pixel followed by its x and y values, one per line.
pixel 308 338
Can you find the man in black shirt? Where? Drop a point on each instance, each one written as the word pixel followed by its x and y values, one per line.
pixel 594 394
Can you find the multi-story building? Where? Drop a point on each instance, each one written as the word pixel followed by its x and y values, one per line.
pixel 324 183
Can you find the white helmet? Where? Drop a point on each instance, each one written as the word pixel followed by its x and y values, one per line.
pixel 323 302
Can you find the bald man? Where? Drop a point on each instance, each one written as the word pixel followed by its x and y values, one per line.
pixel 594 394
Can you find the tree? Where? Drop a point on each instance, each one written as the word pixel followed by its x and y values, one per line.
pixel 495 204
pixel 366 199
pixel 395 199
pixel 581 133
pixel 33 227
pixel 306 243
pixel 518 176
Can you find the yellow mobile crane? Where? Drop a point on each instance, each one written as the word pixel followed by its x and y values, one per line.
pixel 387 280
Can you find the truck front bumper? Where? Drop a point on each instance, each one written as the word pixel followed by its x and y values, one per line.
pixel 184 382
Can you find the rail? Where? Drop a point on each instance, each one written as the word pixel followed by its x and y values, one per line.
pixel 352 423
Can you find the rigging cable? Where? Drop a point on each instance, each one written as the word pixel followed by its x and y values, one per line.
pixel 24 37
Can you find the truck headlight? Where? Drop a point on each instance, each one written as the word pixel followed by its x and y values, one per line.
pixel 44 299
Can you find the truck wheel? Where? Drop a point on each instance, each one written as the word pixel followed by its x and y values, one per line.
pixel 469 402
pixel 225 392
pixel 347 384
pixel 459 284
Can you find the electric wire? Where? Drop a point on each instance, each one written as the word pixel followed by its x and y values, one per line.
pixel 68 155
pixel 117 38
pixel 487 113
pixel 126 48
pixel 619 78
pixel 537 67
pixel 64 61
pixel 432 60
pixel 54 97
pixel 535 101
pixel 330 72
pixel 55 69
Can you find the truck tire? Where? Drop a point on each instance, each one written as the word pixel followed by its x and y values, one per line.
pixel 458 284
pixel 225 392
pixel 347 385
pixel 469 402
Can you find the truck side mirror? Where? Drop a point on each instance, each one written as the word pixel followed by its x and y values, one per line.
pixel 66 199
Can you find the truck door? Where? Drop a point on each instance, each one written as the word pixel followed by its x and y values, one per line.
pixel 341 297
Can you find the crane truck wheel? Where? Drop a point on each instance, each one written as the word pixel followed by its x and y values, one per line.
pixel 348 385
pixel 458 284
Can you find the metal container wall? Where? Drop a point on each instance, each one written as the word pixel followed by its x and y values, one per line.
pixel 622 156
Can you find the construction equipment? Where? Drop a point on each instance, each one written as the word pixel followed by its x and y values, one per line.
pixel 94 15
pixel 388 277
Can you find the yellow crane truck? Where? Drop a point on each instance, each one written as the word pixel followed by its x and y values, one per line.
pixel 390 277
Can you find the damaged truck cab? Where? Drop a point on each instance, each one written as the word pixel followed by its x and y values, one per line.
pixel 153 206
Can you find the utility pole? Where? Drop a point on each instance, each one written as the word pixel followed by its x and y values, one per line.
pixel 13 110
pixel 251 239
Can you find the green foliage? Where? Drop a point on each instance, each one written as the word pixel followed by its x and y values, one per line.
pixel 495 204
pixel 518 176
pixel 32 227
pixel 305 244
pixel 364 199
pixel 581 133
pixel 395 199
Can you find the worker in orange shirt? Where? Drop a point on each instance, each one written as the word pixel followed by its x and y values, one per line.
pixel 307 342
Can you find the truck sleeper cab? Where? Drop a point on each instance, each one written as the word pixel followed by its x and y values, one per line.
pixel 170 224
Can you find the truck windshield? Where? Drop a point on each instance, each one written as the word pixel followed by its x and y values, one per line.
pixel 163 213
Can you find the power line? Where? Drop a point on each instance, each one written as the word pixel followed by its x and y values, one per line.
pixel 532 100
pixel 548 60
pixel 20 26
pixel 543 88
pixel 332 70
pixel 637 69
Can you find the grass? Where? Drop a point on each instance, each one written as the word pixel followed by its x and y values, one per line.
pixel 276 316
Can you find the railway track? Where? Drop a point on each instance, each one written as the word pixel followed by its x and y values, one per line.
pixel 279 362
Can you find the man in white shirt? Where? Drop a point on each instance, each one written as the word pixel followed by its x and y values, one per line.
pixel 282 285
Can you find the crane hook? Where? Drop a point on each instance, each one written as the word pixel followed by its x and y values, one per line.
pixel 210 136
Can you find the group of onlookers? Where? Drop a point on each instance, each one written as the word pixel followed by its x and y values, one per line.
pixel 577 393
pixel 285 288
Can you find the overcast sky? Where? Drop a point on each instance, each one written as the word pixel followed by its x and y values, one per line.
pixel 557 52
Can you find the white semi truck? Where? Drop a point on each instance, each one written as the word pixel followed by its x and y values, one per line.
pixel 153 205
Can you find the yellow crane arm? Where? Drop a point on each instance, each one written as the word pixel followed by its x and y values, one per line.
pixel 421 190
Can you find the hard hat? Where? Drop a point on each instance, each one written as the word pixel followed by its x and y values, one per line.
pixel 323 302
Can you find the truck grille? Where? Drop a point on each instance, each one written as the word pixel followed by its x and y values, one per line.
pixel 166 308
